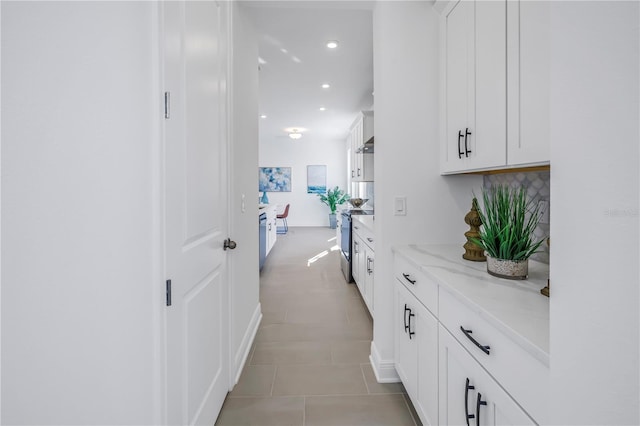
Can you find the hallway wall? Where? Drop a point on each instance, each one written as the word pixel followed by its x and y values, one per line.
pixel 81 291
pixel 244 291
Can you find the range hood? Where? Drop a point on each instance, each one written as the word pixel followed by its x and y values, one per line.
pixel 367 148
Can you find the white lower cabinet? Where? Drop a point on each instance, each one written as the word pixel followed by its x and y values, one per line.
pixel 459 366
pixel 271 226
pixel 416 343
pixel 468 394
pixel 363 261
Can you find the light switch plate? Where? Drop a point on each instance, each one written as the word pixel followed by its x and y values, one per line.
pixel 400 206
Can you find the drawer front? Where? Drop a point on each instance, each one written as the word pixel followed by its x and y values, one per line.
pixel 425 289
pixel 365 233
pixel 524 377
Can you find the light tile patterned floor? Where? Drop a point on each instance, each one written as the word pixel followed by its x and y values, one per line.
pixel 310 362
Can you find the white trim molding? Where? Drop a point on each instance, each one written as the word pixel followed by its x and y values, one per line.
pixel 244 349
pixel 384 369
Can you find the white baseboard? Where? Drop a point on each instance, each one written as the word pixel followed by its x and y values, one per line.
pixel 243 351
pixel 385 370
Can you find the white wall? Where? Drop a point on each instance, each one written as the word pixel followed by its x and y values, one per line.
pixel 243 261
pixel 594 225
pixel 306 209
pixel 80 297
pixel 406 75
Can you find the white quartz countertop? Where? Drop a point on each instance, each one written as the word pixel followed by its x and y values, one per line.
pixel 365 220
pixel 515 307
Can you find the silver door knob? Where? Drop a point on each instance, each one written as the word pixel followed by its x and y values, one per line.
pixel 229 244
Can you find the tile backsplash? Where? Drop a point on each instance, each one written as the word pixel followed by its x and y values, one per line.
pixel 538 188
pixel 363 190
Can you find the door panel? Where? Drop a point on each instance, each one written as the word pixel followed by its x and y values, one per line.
pixel 205 358
pixel 194 72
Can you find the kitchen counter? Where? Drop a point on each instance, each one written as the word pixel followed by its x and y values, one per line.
pixel 515 307
pixel 365 220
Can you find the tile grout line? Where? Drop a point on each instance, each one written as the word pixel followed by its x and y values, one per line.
pixel 365 380
pixel 304 410
pixel 406 403
pixel 273 381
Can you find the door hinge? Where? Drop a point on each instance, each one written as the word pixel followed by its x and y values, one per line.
pixel 167 105
pixel 168 292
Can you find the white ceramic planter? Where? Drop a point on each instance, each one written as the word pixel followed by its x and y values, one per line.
pixel 509 269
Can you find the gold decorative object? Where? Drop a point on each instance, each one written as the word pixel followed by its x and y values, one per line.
pixel 545 291
pixel 472 251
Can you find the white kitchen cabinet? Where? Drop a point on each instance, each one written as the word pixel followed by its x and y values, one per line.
pixel 361 162
pixel 416 348
pixel 496 97
pixel 495 334
pixel 528 82
pixel 468 395
pixel 272 234
pixel 357 263
pixel 364 258
pixel 475 74
pixel 369 264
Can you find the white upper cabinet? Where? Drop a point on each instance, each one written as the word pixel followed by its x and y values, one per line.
pixel 475 73
pixel 361 161
pixel 495 75
pixel 528 89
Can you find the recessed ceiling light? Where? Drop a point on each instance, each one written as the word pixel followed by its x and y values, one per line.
pixel 322 108
pixel 326 86
pixel 332 44
pixel 263 116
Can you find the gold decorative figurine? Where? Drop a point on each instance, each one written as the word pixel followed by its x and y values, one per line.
pixel 472 251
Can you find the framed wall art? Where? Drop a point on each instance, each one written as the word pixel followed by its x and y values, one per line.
pixel 274 179
pixel 316 179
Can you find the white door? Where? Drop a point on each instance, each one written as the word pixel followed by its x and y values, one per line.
pixel 194 52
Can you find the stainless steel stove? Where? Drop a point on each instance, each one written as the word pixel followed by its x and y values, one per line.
pixel 346 238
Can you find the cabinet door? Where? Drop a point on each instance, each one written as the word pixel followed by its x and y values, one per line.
pixel 356 260
pixel 271 228
pixel 427 336
pixel 528 82
pixel 416 334
pixel 475 72
pixel 357 132
pixel 406 354
pixel 466 390
pixel 369 263
pixel 352 156
pixel 459 60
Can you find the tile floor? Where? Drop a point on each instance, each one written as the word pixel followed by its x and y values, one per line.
pixel 310 361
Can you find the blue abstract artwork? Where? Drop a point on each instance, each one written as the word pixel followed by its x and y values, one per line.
pixel 316 179
pixel 274 179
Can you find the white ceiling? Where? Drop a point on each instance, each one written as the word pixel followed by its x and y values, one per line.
pixel 292 38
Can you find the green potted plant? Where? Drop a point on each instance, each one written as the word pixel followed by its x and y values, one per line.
pixel 509 219
pixel 333 198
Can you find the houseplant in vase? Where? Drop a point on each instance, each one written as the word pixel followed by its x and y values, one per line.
pixel 333 198
pixel 509 219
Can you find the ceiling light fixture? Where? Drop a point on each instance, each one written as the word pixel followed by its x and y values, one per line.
pixel 332 44
pixel 263 116
pixel 295 134
pixel 326 86
pixel 322 108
